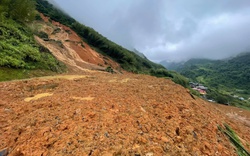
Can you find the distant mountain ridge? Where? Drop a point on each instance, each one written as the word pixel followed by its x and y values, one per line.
pixel 140 54
pixel 177 66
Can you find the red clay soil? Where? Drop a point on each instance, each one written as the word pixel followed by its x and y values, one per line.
pixel 111 115
pixel 69 48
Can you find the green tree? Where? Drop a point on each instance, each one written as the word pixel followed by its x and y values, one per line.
pixel 4 8
pixel 21 10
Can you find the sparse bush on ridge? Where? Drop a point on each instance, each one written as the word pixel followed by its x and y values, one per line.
pixel 43 35
pixel 57 30
pixel 109 69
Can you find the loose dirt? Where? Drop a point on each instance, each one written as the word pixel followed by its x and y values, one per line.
pixel 69 48
pixel 112 114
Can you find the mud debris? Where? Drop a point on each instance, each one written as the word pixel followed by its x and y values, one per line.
pixel 94 117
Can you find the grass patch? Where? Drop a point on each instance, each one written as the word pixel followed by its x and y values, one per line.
pixel 7 74
pixel 234 138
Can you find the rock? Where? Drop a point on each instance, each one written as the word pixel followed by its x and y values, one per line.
pixel 220 147
pixel 78 111
pixel 4 152
pixel 164 139
pixel 142 140
pixel 207 145
pixel 150 154
pixel 95 153
pixel 178 139
pixel 7 110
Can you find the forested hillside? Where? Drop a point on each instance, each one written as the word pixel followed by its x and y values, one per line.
pixel 229 78
pixel 232 73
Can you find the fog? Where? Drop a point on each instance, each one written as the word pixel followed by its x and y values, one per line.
pixel 166 29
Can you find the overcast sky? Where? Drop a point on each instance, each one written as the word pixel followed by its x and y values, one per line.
pixel 169 29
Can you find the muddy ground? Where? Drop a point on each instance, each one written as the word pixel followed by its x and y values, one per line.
pixel 113 114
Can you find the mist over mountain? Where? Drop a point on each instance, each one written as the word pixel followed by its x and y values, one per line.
pixel 169 30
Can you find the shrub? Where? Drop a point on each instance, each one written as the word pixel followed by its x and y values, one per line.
pixel 57 30
pixel 43 35
pixel 109 69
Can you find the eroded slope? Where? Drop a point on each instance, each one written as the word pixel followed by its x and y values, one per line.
pixel 69 48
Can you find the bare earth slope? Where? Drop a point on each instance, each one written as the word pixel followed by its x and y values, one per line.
pixel 110 115
pixel 69 48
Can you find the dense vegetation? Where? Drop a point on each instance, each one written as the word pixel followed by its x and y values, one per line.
pixel 18 49
pixel 18 10
pixel 225 78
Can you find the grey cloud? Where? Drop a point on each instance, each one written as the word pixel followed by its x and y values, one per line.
pixel 140 23
pixel 166 29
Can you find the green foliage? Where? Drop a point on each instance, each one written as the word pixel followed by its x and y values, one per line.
pixel 57 30
pixel 194 92
pixel 43 35
pixel 224 78
pixel 20 10
pixel 161 73
pixel 233 73
pixel 19 50
pixel 109 69
pixel 233 137
pixel 7 74
pixel 181 80
pixel 222 99
pixel 174 76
